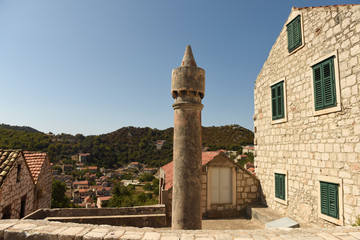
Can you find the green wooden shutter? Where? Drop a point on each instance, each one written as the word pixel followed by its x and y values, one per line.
pixel 280 97
pixel 277 187
pixel 318 86
pixel 280 186
pixel 294 33
pixel 277 101
pixel 290 37
pixel 324 198
pixel 324 84
pixel 329 83
pixel 333 200
pixel 297 32
pixel 273 102
pixel 329 194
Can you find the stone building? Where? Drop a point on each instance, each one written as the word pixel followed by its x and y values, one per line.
pixel 25 183
pixel 227 188
pixel 307 117
pixel 41 173
pixel 17 187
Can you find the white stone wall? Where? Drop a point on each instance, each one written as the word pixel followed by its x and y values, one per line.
pixel 308 146
pixel 12 191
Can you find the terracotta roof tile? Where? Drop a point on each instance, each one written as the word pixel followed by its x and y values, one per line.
pixel 81 182
pixel 35 161
pixel 7 161
pixel 107 198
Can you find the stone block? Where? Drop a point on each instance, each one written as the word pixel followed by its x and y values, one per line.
pixel 131 235
pixel 151 236
pixel 282 223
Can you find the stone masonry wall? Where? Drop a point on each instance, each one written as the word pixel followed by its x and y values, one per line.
pixel 305 145
pixel 44 187
pixel 12 191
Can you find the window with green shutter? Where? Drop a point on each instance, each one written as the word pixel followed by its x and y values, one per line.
pixel 329 194
pixel 280 186
pixel 324 84
pixel 277 101
pixel 294 33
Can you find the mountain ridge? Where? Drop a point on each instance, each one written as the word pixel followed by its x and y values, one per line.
pixel 121 146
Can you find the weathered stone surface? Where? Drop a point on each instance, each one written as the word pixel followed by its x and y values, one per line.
pixel 307 144
pixel 188 88
pixel 114 235
pixel 42 232
pixel 282 223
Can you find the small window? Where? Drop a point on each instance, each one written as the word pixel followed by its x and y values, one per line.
pixel 294 34
pixel 277 101
pixel 329 194
pixel 280 186
pixel 18 173
pixel 324 84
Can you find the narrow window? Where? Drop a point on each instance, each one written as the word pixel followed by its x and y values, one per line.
pixel 329 194
pixel 221 185
pixel 280 186
pixel 277 101
pixel 324 84
pixel 294 34
pixel 18 173
pixel 23 206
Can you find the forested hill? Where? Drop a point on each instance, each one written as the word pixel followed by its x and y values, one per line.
pixel 25 129
pixel 120 147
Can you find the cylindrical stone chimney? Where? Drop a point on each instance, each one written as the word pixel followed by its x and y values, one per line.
pixel 187 88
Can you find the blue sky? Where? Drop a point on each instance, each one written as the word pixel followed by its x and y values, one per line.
pixel 91 67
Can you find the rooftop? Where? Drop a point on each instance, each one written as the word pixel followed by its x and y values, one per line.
pixel 7 160
pixel 168 168
pixel 35 162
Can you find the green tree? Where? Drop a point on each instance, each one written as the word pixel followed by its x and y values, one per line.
pixel 58 197
pixel 250 156
pixel 155 185
pixel 148 187
pixel 58 168
pixel 146 177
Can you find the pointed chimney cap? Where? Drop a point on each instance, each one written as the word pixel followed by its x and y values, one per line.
pixel 188 59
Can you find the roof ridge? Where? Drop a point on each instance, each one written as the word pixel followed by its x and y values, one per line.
pixel 339 5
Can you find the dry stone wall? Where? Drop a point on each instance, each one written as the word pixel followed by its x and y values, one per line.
pixel 307 146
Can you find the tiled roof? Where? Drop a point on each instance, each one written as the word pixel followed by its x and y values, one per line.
pixel 35 162
pixel 81 182
pixel 249 165
pixel 168 168
pixel 7 160
pixel 343 5
pixel 105 198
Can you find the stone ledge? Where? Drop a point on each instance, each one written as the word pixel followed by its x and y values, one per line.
pixel 44 230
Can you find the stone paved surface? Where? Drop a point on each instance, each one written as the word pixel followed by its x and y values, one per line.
pixel 43 230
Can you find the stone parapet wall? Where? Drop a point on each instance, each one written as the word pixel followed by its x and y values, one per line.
pixel 85 212
pixel 305 144
pixel 32 229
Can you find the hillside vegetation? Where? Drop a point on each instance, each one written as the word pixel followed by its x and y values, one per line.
pixel 120 147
